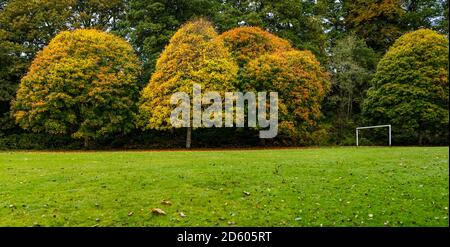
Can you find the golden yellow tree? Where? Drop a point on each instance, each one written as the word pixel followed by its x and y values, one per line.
pixel 194 55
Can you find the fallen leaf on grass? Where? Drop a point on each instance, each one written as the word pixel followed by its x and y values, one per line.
pixel 246 193
pixel 166 202
pixel 158 211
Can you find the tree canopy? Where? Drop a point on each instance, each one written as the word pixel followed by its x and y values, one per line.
pixel 410 87
pixel 195 55
pixel 82 84
pixel 27 26
pixel 247 43
pixel 301 84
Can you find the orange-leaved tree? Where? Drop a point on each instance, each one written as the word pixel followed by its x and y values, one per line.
pixel 194 55
pixel 301 84
pixel 247 43
pixel 82 84
pixel 270 63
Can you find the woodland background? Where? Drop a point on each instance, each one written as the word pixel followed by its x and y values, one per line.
pixel 348 38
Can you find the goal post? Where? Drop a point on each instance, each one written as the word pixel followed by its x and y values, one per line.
pixel 373 127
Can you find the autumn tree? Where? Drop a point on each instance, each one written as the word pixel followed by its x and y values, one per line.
pixel 301 84
pixel 269 63
pixel 82 84
pixel 410 88
pixel 27 26
pixel 194 55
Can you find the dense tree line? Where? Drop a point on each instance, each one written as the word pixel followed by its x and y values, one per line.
pixel 348 38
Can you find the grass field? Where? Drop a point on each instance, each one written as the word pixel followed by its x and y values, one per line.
pixel 399 186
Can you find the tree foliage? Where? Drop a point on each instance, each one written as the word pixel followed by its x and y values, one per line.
pixel 410 87
pixel 151 23
pixel 352 65
pixel 82 84
pixel 380 23
pixel 27 26
pixel 270 64
pixel 247 43
pixel 195 55
pixel 296 21
pixel 301 84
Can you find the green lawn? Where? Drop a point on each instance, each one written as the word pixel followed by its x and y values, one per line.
pixel 399 186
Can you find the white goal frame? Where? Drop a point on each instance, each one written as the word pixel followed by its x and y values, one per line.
pixel 372 127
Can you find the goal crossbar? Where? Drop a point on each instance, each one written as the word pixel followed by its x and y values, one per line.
pixel 372 127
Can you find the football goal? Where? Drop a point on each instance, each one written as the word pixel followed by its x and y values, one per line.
pixel 373 127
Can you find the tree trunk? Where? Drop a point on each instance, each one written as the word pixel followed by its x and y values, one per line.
pixel 86 142
pixel 188 137
pixel 420 138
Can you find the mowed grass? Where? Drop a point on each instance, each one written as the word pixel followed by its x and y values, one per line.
pixel 399 186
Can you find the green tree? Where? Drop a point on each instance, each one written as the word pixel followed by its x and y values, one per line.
pixel 410 88
pixel 351 65
pixel 194 55
pixel 82 84
pixel 443 20
pixel 332 13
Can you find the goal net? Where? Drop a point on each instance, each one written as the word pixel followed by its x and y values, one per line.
pixel 373 127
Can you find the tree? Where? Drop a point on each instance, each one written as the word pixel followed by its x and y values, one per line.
pixel 301 84
pixel 443 20
pixel 332 13
pixel 410 87
pixel 27 26
pixel 269 63
pixel 352 65
pixel 194 55
pixel 82 84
